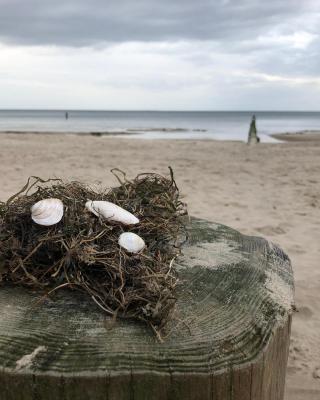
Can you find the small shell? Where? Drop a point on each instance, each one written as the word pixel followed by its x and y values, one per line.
pixel 47 212
pixel 111 211
pixel 131 242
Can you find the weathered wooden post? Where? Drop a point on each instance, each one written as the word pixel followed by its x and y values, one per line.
pixel 252 136
pixel 229 340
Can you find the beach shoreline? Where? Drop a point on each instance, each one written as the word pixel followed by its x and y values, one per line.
pixel 299 136
pixel 262 190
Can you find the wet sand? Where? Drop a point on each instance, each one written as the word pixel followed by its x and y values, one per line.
pixel 303 136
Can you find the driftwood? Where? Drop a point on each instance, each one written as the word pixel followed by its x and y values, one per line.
pixel 229 339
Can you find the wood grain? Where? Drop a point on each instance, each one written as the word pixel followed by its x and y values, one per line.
pixel 229 339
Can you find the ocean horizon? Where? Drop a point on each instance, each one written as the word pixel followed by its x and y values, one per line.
pixel 219 125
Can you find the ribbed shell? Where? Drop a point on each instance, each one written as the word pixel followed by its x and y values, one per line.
pixel 47 212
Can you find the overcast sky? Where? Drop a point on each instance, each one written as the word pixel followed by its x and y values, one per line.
pixel 160 54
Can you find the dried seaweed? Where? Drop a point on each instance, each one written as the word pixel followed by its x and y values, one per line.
pixel 82 252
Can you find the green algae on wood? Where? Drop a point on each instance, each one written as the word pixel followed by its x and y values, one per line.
pixel 229 338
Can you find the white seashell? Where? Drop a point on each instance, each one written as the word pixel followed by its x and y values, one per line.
pixel 131 242
pixel 111 211
pixel 47 212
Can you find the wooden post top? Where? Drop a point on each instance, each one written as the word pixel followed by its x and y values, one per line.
pixel 234 292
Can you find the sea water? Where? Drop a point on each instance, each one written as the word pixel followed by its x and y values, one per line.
pixel 223 125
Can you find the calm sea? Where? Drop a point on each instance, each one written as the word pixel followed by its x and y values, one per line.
pixel 161 124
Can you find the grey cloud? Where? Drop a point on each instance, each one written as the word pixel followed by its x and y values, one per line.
pixel 90 23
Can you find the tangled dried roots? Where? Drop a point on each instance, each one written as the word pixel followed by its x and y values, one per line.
pixel 82 252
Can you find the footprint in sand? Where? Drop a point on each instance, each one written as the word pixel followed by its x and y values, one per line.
pixel 297 250
pixel 235 204
pixel 316 373
pixel 304 313
pixel 298 356
pixel 271 230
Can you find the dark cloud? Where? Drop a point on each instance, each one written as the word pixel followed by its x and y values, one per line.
pixel 92 22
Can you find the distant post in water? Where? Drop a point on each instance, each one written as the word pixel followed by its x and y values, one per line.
pixel 253 137
pixel 66 115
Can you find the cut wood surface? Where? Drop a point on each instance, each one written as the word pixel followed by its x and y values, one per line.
pixel 229 338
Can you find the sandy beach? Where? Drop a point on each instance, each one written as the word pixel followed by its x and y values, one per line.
pixel 270 190
pixel 301 136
